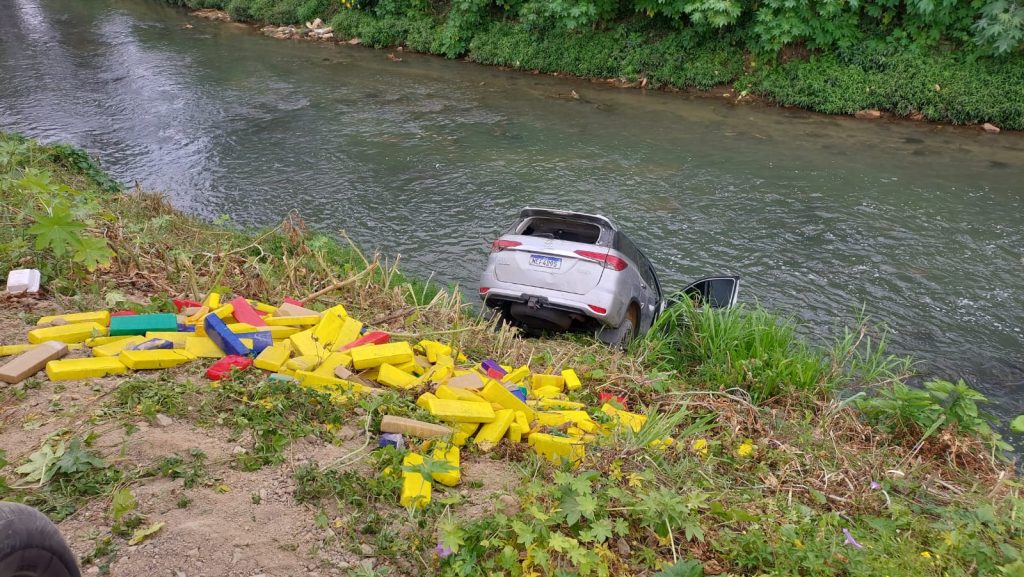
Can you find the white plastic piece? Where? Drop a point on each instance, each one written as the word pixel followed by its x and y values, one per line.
pixel 23 280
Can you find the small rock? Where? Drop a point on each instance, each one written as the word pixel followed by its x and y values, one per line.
pixel 622 547
pixel 871 114
pixel 507 504
pixel 92 570
pixel 318 23
pixel 238 450
pixel 355 41
pixel 328 36
pixel 366 550
pixel 162 420
pixel 192 552
pixel 990 128
pixel 179 573
pixel 263 495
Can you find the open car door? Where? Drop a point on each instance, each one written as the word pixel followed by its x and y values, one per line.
pixel 717 292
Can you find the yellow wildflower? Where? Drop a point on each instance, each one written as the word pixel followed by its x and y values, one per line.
pixel 635 480
pixel 616 471
pixel 746 449
pixel 605 553
pixel 926 554
pixel 700 447
pixel 798 543
pixel 662 443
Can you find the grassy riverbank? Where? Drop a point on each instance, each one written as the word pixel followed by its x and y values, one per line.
pixel 917 65
pixel 770 473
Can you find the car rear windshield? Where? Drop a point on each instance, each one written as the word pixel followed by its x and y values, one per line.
pixel 561 229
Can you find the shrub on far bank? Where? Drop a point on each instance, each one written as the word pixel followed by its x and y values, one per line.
pixel 943 86
pixel 934 64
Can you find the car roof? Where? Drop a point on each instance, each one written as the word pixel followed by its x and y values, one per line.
pixel 592 218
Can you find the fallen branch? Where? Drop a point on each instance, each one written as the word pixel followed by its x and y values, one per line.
pixel 341 284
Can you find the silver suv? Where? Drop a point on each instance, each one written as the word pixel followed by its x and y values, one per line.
pixel 555 270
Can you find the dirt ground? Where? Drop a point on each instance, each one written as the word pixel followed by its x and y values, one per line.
pixel 247 525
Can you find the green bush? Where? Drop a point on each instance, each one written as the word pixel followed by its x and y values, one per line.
pixel 937 406
pixel 942 86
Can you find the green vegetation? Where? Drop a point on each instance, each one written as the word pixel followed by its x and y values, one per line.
pixel 957 62
pixel 768 472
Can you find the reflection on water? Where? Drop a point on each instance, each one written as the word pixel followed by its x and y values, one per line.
pixel 431 159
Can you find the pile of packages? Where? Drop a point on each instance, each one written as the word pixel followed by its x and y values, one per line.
pixel 331 352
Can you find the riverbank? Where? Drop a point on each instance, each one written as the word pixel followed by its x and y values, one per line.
pixel 768 473
pixel 943 84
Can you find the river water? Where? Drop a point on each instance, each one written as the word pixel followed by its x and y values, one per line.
pixel 430 159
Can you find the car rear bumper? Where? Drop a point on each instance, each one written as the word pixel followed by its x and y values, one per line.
pixel 499 294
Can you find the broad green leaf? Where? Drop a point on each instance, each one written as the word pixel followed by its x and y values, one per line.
pixel 572 510
pixel 561 543
pixel 601 530
pixel 524 533
pixel 144 533
pixel 1017 425
pixel 114 298
pixel 687 568
pixel 40 465
pixel 92 251
pixel 76 459
pixel 123 503
pixel 57 231
pixel 452 535
pixel 37 181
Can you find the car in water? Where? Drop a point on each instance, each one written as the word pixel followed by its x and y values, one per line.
pixel 556 270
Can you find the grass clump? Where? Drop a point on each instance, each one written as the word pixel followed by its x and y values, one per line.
pixel 752 349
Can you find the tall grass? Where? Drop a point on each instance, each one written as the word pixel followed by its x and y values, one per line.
pixel 760 352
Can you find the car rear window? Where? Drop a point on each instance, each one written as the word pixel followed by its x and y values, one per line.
pixel 561 229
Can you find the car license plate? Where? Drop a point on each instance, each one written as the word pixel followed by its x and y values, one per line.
pixel 541 261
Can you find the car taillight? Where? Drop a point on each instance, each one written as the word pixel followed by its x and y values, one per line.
pixel 484 289
pixel 500 245
pixel 597 309
pixel 608 260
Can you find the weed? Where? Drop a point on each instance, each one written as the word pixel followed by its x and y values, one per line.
pixel 193 472
pixel 761 353
pixel 61 476
pixel 939 405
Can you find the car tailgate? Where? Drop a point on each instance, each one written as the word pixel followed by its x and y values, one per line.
pixel 549 264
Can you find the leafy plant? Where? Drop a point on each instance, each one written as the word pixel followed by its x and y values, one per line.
pixel 1001 27
pixel 938 405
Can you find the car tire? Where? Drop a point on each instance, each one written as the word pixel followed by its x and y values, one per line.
pixel 619 337
pixel 31 545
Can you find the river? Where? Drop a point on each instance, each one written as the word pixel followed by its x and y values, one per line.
pixel 431 159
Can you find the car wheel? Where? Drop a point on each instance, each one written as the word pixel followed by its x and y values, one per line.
pixel 620 336
pixel 31 546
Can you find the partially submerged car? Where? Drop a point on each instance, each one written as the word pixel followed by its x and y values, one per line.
pixel 557 270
